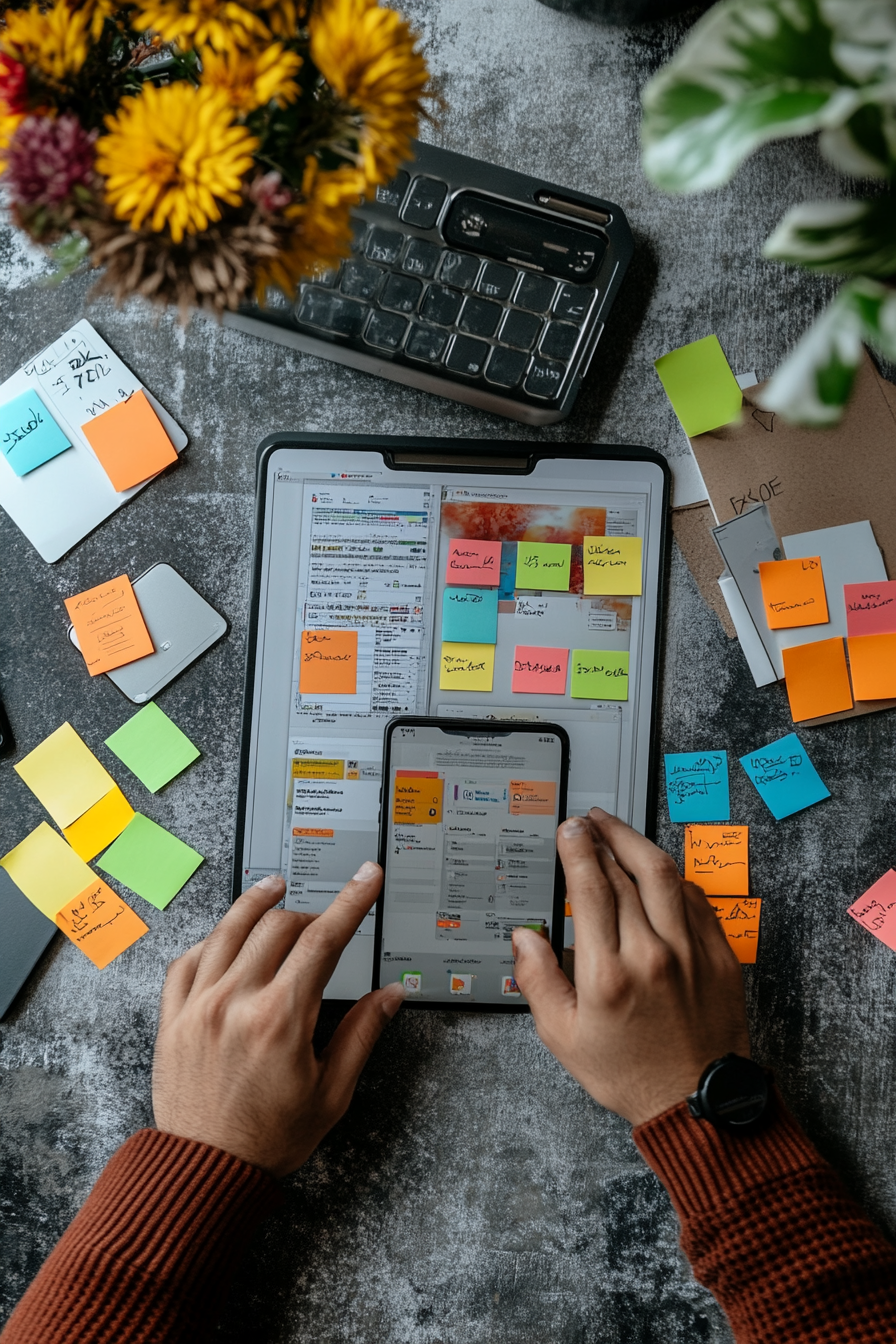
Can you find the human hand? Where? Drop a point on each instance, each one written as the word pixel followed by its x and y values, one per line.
pixel 234 1066
pixel 658 993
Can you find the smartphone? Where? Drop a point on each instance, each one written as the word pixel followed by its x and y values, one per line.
pixel 468 824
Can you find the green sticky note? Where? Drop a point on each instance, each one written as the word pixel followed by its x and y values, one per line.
pixel 153 747
pixel 700 385
pixel 599 675
pixel 150 860
pixel 543 565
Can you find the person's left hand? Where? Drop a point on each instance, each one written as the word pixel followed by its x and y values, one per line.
pixel 234 1066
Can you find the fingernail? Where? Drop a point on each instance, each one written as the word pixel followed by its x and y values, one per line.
pixel 270 882
pixel 365 872
pixel 393 1002
pixel 599 813
pixel 574 826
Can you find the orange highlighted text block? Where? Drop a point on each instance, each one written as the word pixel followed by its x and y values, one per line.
pixel 417 800
pixel 315 832
pixel 532 798
pixel 739 917
pixel 310 767
pixel 328 662
pixel 717 859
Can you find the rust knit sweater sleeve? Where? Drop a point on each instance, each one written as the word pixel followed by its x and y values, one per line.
pixel 772 1233
pixel 148 1256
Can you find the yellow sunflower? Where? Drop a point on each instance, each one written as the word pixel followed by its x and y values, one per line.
pixel 97 12
pixel 54 40
pixel 252 80
pixel 284 17
pixel 172 156
pixel 9 124
pixel 322 231
pixel 202 22
pixel 368 55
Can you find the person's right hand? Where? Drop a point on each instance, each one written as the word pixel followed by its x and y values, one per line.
pixel 658 992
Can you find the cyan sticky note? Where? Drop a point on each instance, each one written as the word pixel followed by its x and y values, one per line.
pixel 784 777
pixel 697 786
pixel 29 436
pixel 470 615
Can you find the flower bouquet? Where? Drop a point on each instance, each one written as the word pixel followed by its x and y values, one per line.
pixel 200 152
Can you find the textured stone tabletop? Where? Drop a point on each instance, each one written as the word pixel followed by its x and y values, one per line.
pixel 473 1193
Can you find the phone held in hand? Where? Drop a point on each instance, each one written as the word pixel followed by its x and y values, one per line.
pixel 468 824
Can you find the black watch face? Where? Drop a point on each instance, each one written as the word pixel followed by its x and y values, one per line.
pixel 736 1092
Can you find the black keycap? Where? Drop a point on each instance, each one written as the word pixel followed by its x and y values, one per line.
pixel 401 294
pixel 331 312
pixel 545 377
pixel 535 293
pixel 573 301
pixel 421 258
pixel 459 268
pixel 426 343
pixel 441 305
pixel 359 230
pixel 392 194
pixel 496 280
pixel 467 356
pixel 559 340
pixel 424 202
pixel 384 245
pixel 521 330
pixel 480 318
pixel 506 367
pixel 386 330
pixel 360 279
pixel 327 279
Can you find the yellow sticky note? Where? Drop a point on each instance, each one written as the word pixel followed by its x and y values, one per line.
pixel 466 667
pixel 65 775
pixel 543 565
pixel 612 565
pixel 47 870
pixel 739 918
pixel 100 923
pixel 100 825
pixel 717 859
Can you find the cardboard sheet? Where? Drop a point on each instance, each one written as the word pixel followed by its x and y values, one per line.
pixel 150 860
pixel 63 773
pixel 692 528
pixel 697 786
pixel 29 436
pixel 110 626
pixel 47 870
pixel 539 671
pixel 100 923
pixel 717 859
pixel 876 910
pixel 612 566
pixel 817 679
pixel 153 747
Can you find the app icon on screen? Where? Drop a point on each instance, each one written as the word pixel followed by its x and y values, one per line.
pixel 509 987
pixel 461 984
pixel 412 981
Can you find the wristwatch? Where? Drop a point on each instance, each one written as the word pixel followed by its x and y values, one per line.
pixel 733 1094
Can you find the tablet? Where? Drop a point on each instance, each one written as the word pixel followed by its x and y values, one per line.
pixel 362 545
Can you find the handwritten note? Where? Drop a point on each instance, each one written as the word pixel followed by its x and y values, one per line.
pixel 531 608
pixel 100 923
pixel 417 799
pixel 612 565
pixel 150 860
pixel 793 592
pixel 47 870
pixel 29 436
pixel 740 920
pixel 474 562
pixel 872 664
pixel 130 442
pixel 466 667
pixel 717 859
pixel 99 825
pixel 543 565
pixel 876 910
pixel 697 785
pixel 870 608
pixel 784 777
pixel 328 662
pixel 109 625
pixel 700 385
pixel 152 747
pixel 817 679
pixel 470 615
pixel 63 773
pixel 599 675
pixel 539 671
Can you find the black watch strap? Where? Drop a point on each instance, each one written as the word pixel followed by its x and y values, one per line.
pixel 733 1094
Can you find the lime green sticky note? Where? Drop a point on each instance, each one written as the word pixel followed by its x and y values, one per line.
pixel 700 385
pixel 544 565
pixel 153 747
pixel 599 675
pixel 150 860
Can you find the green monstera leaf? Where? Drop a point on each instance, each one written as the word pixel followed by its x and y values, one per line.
pixel 839 237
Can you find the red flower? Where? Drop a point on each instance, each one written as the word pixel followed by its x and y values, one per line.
pixel 13 86
pixel 45 159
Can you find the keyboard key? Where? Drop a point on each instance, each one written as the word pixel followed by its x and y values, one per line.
pixel 506 367
pixel 426 343
pixel 467 356
pixel 441 305
pixel 331 312
pixel 424 202
pixel 521 330
pixel 386 330
pixel 384 245
pixel 360 279
pixel 480 318
pixel 559 340
pixel 359 229
pixel 459 268
pixel 535 293
pixel 496 280
pixel 573 301
pixel 392 194
pixel 401 294
pixel 327 279
pixel 545 377
pixel 421 258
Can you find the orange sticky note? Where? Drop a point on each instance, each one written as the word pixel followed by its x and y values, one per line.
pixel 532 798
pixel 717 859
pixel 100 923
pixel 872 665
pixel 130 442
pixel 328 662
pixel 110 626
pixel 417 800
pixel 739 918
pixel 793 592
pixel 817 679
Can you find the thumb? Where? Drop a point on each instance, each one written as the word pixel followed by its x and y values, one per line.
pixel 358 1033
pixel 551 997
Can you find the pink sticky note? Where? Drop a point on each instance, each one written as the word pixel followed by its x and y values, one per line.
pixel 474 562
pixel 870 608
pixel 539 671
pixel 876 910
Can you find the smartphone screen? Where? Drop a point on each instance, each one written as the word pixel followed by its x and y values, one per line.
pixel 468 845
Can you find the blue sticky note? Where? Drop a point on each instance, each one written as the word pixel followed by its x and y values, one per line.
pixel 697 786
pixel 785 778
pixel 29 436
pixel 470 615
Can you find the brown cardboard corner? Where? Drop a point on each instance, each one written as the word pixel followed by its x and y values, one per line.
pixel 691 525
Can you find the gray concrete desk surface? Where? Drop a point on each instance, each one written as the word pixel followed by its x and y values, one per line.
pixel 473 1193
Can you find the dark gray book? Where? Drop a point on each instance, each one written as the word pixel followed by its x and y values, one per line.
pixel 24 934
